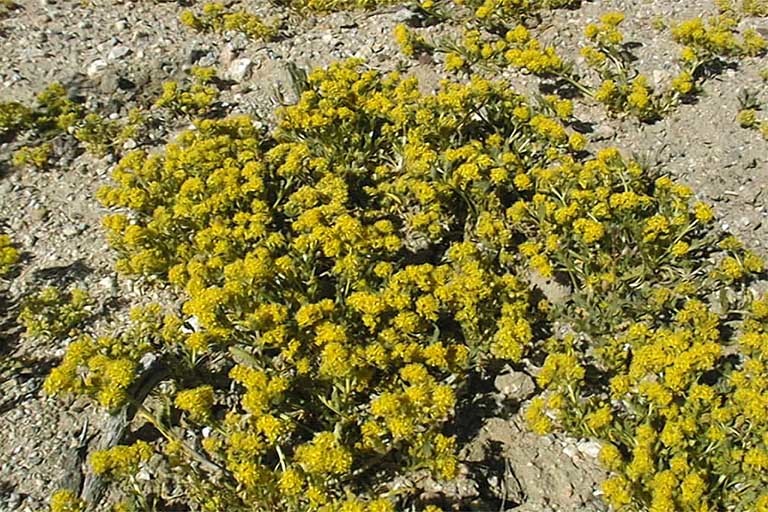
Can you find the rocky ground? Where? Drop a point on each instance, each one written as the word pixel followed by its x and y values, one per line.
pixel 117 54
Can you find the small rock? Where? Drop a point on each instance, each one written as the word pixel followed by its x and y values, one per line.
pixel 129 144
pixel 406 16
pixel 515 385
pixel 109 82
pixel 603 132
pixel 95 67
pixel 330 40
pixel 240 69
pixel 109 283
pixel 40 214
pixel 69 231
pixel 74 230
pixel 118 52
pixel 571 451
pixel 121 25
pixel 589 448
pixel 207 60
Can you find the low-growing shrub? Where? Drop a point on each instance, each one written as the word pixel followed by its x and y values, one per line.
pixel 33 156
pixel 55 314
pixel 215 17
pixel 345 274
pixel 55 114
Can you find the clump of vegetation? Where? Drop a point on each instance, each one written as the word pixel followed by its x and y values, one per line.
pixel 54 314
pixel 708 45
pixel 55 114
pixel 503 14
pixel 748 116
pixel 743 7
pixel 14 117
pixel 410 43
pixel 215 17
pixel 9 255
pixel 297 251
pixel 54 110
pixel 191 99
pixel 37 157
pixel 348 272
pixel 346 275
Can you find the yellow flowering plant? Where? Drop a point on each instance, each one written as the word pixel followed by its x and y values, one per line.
pixel 66 500
pixel 345 274
pixel 33 156
pixel 9 255
pixel 742 7
pixel 193 97
pixel 411 44
pixel 55 314
pixel 52 113
pixel 644 366
pixel 216 17
pixel 348 268
pixel 14 117
pixel 707 45
pixel 55 114
pixel 748 117
pixel 498 15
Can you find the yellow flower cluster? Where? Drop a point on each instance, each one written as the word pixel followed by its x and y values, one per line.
pixel 685 450
pixel 748 115
pixel 14 117
pixel 621 88
pixel 106 367
pixel 9 255
pixel 216 17
pixel 120 462
pixel 66 500
pixel 742 7
pixel 55 113
pixel 197 402
pixel 410 43
pixel 85 370
pixel 708 39
pixel 518 49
